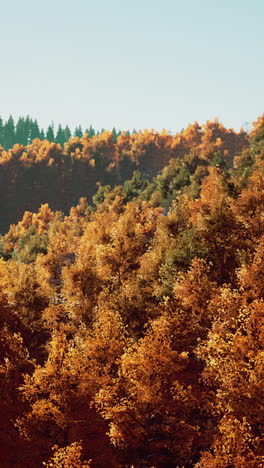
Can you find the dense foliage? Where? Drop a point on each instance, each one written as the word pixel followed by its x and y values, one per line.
pixel 49 172
pixel 132 331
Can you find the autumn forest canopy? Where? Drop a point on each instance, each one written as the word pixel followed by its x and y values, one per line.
pixel 131 297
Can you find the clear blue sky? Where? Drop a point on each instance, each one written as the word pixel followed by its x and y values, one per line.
pixel 141 63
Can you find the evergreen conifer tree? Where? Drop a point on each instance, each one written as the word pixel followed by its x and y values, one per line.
pixel 60 136
pixel 34 130
pixel 114 133
pixel 9 133
pixel 67 133
pixel 78 132
pixel 50 133
pixel 90 131
pixel 20 132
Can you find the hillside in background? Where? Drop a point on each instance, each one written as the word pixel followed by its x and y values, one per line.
pixel 48 172
pixel 132 328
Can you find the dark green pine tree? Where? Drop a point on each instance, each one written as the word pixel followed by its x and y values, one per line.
pixel 114 133
pixel 78 132
pixel 9 133
pixel 50 133
pixel 34 130
pixel 42 134
pixel 28 123
pixel 21 132
pixel 132 188
pixel 60 137
pixel 90 131
pixel 67 133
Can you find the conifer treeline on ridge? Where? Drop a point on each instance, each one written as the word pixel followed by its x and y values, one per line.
pixel 26 129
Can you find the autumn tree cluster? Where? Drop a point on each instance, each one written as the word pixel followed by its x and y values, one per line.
pixel 60 172
pixel 132 330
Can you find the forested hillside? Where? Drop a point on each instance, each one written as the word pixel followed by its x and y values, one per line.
pixel 49 172
pixel 132 322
